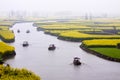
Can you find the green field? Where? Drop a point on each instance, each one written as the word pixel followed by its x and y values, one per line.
pixel 111 52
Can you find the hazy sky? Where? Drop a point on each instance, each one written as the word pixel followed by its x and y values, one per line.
pixel 92 6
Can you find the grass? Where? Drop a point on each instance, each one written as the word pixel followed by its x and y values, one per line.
pixel 9 73
pixel 111 52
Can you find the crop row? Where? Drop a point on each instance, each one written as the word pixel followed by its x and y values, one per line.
pixel 63 26
pixel 6 23
pixel 76 34
pixel 101 42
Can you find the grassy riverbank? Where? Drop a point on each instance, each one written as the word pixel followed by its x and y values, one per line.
pixel 105 48
pixel 111 52
pixel 6 51
pixel 9 73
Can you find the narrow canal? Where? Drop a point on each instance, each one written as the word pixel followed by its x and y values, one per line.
pixel 57 65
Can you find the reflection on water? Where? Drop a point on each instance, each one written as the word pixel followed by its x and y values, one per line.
pixel 57 64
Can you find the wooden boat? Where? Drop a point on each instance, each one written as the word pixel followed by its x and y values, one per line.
pixel 25 43
pixel 76 61
pixel 51 47
pixel 18 31
pixel 28 31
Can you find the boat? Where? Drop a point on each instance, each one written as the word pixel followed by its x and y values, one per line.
pixel 25 43
pixel 28 31
pixel 76 61
pixel 51 47
pixel 18 31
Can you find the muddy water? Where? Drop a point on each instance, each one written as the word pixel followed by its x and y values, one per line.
pixel 57 65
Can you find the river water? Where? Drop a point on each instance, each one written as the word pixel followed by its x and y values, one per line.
pixel 57 65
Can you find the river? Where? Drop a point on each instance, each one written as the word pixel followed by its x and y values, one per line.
pixel 57 65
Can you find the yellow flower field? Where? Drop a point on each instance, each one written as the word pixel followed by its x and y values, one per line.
pixel 7 23
pixel 101 42
pixel 81 30
pixel 63 26
pixel 78 28
pixel 7 34
pixel 76 34
pixel 4 28
pixel 5 47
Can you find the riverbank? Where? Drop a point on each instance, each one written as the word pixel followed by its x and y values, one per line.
pixel 98 54
pixel 7 40
pixel 6 51
pixel 8 55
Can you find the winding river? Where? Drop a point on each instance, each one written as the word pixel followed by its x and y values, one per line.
pixel 57 65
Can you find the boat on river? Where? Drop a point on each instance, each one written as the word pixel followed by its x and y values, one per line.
pixel 28 31
pixel 76 61
pixel 18 31
pixel 25 43
pixel 51 47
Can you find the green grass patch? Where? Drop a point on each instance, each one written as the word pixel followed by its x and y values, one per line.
pixel 111 52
